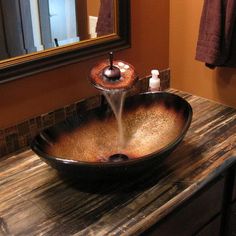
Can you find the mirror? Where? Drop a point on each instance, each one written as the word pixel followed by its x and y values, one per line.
pixel 39 35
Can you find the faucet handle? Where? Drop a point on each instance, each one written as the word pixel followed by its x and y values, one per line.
pixel 113 75
pixel 111 72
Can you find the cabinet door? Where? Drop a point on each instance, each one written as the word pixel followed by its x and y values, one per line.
pixel 232 221
pixel 191 217
pixel 234 187
pixel 211 229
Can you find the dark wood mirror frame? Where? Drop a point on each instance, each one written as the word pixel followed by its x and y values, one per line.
pixel 30 64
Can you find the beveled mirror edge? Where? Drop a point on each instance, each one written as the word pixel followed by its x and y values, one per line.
pixel 54 58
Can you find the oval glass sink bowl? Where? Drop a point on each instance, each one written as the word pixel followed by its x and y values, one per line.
pixel 153 123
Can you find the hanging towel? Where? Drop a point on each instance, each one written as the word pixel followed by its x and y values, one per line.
pixel 105 23
pixel 216 44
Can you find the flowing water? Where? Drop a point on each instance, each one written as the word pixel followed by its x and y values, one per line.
pixel 116 102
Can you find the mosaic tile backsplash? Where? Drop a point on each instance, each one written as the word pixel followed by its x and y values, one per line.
pixel 18 137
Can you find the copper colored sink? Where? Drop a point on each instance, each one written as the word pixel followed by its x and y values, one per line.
pixel 87 145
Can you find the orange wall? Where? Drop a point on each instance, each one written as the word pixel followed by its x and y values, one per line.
pixel 93 7
pixel 188 74
pixel 47 91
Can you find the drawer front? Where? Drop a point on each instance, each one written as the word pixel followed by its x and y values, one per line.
pixel 190 218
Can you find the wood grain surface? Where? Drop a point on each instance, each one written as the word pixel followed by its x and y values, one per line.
pixel 35 200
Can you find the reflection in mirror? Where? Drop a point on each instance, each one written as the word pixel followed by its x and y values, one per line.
pixel 27 52
pixel 28 26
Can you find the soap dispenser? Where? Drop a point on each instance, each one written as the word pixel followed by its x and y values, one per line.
pixel 154 81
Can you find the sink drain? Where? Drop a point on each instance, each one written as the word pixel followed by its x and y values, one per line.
pixel 118 157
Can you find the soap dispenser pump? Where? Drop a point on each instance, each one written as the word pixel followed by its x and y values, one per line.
pixel 154 81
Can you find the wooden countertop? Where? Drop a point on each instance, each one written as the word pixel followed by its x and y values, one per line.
pixel 34 200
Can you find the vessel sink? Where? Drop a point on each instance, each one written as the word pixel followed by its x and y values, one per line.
pixel 87 146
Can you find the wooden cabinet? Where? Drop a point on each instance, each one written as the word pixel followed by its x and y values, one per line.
pixel 192 218
pixel 212 228
pixel 232 220
pixel 234 188
pixel 210 212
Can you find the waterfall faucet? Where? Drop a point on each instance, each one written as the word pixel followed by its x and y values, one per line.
pixel 113 75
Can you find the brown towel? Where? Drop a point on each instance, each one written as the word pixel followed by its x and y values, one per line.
pixel 216 44
pixel 105 24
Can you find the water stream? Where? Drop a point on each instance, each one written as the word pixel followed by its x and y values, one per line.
pixel 116 102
